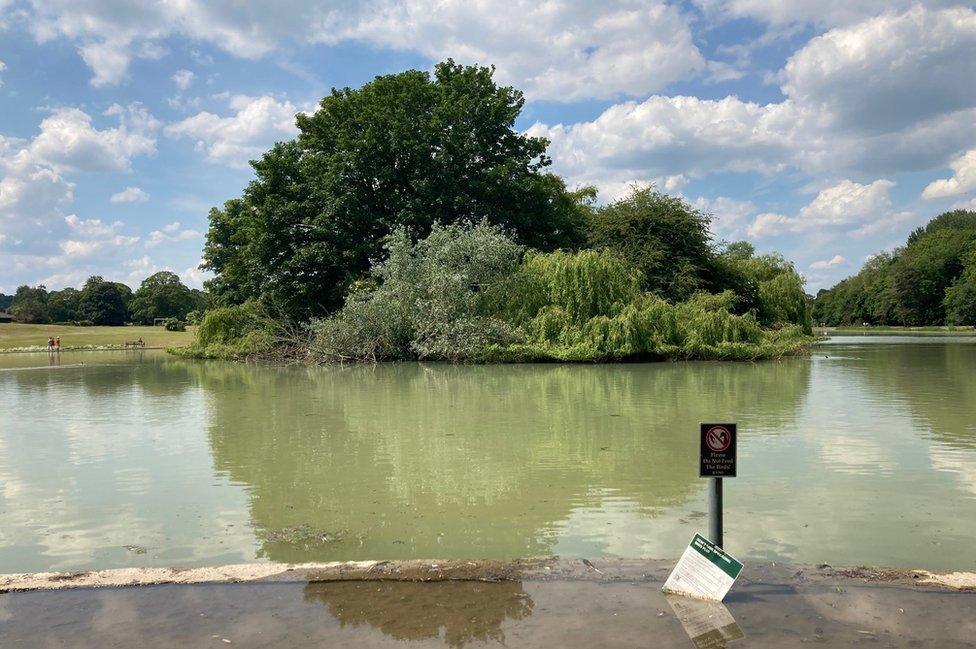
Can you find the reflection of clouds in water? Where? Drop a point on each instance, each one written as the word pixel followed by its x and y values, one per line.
pixel 94 461
pixel 961 463
pixel 857 455
pixel 615 526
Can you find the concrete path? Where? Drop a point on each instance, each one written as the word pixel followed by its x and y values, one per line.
pixel 532 604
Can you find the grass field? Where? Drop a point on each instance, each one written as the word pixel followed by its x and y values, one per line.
pixel 13 335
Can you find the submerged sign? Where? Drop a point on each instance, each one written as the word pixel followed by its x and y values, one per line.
pixel 717 451
pixel 704 571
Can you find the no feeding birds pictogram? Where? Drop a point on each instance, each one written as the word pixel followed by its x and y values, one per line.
pixel 717 457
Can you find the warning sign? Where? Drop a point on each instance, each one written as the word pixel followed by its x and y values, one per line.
pixel 717 451
pixel 704 571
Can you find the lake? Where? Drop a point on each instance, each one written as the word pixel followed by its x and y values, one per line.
pixel 863 452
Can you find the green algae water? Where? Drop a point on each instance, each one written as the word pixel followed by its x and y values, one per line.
pixel 863 452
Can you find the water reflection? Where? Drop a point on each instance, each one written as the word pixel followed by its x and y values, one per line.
pixel 416 460
pixel 709 625
pixel 203 463
pixel 459 612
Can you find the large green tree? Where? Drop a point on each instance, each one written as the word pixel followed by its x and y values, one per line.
pixel 405 150
pixel 64 305
pixel 105 303
pixel 30 304
pixel 163 295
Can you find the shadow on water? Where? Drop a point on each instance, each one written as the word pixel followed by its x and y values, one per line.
pixel 458 612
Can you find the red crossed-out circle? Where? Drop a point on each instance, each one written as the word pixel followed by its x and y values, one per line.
pixel 718 438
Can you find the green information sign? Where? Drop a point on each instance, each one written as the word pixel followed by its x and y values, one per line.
pixel 705 571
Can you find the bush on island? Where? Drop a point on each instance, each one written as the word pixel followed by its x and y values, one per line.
pixel 232 332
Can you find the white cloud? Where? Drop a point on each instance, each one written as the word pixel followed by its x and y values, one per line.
pixel 664 136
pixel 89 236
pixel 559 49
pixel 256 124
pixel 194 277
pixel 3 66
pixel 140 269
pixel 183 79
pixel 36 230
pixel 130 195
pixel 880 97
pixel 829 13
pixel 889 72
pixel 962 181
pixel 68 141
pixel 170 232
pixel 848 206
pixel 823 264
pixel 729 216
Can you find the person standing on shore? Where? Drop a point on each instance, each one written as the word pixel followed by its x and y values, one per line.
pixel 57 343
pixel 50 343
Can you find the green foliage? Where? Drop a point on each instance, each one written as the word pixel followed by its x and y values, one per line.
pixel 462 294
pixel 194 317
pixel 663 237
pixel 924 283
pixel 104 303
pixel 922 273
pixel 173 324
pixel 960 298
pixel 589 306
pixel 766 285
pixel 30 305
pixel 583 285
pixel 163 295
pixel 6 301
pixel 100 302
pixel 64 305
pixel 425 300
pixel 234 332
pixel 405 150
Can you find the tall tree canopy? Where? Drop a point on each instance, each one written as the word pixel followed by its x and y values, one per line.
pixel 405 150
pixel 30 304
pixel 105 303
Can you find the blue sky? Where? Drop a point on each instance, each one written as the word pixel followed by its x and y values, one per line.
pixel 825 130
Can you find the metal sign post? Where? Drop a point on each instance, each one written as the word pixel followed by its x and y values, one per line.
pixel 716 461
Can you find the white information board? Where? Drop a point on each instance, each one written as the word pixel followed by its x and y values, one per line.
pixel 704 571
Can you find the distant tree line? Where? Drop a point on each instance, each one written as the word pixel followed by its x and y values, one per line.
pixel 931 280
pixel 101 302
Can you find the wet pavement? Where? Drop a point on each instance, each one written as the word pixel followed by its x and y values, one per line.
pixel 771 608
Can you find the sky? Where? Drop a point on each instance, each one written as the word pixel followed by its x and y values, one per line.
pixel 823 129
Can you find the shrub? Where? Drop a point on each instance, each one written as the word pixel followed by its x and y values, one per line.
pixel 429 300
pixel 173 324
pixel 232 332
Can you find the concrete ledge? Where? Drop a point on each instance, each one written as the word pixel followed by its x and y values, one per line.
pixel 601 570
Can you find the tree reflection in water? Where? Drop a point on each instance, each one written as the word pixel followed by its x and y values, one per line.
pixel 459 611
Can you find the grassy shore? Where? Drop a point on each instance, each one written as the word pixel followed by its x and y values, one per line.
pixel 25 336
pixel 905 331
